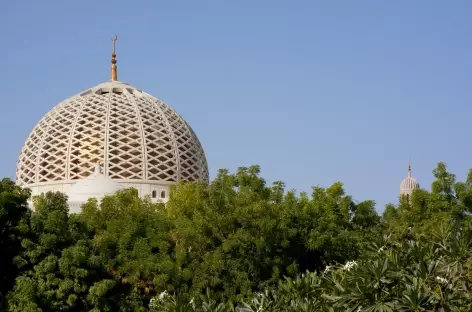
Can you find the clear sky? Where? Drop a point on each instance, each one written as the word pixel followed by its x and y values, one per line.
pixel 312 91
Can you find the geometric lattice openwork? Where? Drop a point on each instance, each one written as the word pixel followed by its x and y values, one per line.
pixel 134 135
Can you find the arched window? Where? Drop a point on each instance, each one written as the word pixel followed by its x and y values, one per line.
pixel 163 194
pixel 154 194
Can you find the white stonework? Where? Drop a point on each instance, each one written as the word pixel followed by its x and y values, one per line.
pixel 97 186
pixel 140 141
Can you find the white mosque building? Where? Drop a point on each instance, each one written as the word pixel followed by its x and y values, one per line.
pixel 106 138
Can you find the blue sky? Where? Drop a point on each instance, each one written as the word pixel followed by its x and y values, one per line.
pixel 312 91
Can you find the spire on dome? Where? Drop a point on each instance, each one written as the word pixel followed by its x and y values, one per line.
pixel 409 168
pixel 114 71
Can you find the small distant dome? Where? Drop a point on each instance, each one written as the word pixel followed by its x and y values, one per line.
pixel 409 184
pixel 97 185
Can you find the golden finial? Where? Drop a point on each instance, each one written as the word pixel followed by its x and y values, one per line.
pixel 114 71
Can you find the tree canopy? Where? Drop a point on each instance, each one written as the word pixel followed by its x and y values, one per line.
pixel 13 213
pixel 233 244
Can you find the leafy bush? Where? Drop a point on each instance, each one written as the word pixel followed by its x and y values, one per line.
pixel 433 275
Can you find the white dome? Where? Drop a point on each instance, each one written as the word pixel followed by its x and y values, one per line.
pixel 96 186
pixel 139 140
pixel 409 184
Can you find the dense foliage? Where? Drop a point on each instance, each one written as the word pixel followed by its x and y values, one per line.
pixel 410 275
pixel 13 212
pixel 239 244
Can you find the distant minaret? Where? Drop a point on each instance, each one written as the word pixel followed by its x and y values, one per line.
pixel 409 184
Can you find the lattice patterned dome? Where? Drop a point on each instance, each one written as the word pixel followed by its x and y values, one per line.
pixel 140 141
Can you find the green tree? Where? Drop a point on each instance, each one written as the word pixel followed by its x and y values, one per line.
pixel 131 240
pixel 108 258
pixel 13 215
pixel 48 235
pixel 425 211
pixel 430 275
pixel 238 235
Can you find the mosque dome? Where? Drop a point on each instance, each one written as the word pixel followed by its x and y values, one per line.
pixel 140 141
pixel 409 184
pixel 97 185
